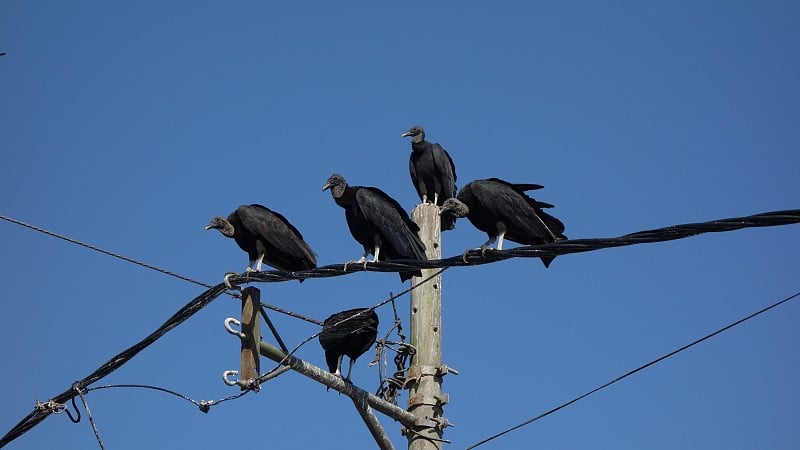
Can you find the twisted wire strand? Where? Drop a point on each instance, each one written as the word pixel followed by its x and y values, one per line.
pixel 477 257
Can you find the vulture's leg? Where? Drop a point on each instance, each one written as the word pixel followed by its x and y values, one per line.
pixel 360 260
pixel 338 372
pixel 259 262
pixel 486 245
pixel 377 252
pixel 350 370
pixel 500 240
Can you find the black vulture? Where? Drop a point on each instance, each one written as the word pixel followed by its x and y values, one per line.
pixel 503 210
pixel 267 237
pixel 432 172
pixel 378 223
pixel 350 333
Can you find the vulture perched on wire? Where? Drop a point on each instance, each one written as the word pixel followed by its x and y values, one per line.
pixel 504 211
pixel 432 172
pixel 349 333
pixel 378 223
pixel 267 237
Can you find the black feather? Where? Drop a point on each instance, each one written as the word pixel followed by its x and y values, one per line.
pixel 432 173
pixel 375 219
pixel 350 333
pixel 496 206
pixel 257 229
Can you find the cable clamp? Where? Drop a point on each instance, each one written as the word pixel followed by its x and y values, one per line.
pixel 50 406
pixel 436 400
pixel 416 372
pixel 428 422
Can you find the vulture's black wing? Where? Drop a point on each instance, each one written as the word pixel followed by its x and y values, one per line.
pixel 286 248
pixel 397 229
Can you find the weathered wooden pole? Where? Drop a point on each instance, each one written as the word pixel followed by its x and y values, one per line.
pixel 338 384
pixel 251 327
pixel 425 398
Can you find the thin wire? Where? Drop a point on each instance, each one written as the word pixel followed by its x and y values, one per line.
pixel 638 369
pixel 203 405
pixel 89 414
pixel 142 264
pixel 106 252
pixel 291 314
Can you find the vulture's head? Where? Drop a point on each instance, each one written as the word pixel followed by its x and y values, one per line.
pixel 337 184
pixel 222 225
pixel 417 134
pixel 455 207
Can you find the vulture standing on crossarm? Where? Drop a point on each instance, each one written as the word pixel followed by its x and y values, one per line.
pixel 504 211
pixel 267 237
pixel 349 333
pixel 432 172
pixel 378 223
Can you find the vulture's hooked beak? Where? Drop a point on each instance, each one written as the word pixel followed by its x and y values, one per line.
pixel 326 187
pixel 407 134
pixel 208 227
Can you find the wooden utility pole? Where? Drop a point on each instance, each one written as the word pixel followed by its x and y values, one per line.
pixel 251 327
pixel 425 398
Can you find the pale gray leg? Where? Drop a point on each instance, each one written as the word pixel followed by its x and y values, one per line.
pixel 350 370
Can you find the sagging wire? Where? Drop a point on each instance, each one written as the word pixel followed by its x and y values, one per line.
pixel 203 405
pixel 117 361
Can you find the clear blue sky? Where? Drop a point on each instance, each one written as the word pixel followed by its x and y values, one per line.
pixel 129 125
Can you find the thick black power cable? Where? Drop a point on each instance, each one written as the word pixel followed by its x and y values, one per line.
pixel 188 310
pixel 638 369
pixel 477 257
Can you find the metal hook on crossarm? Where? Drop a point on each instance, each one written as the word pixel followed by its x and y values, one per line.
pixel 227 377
pixel 231 321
